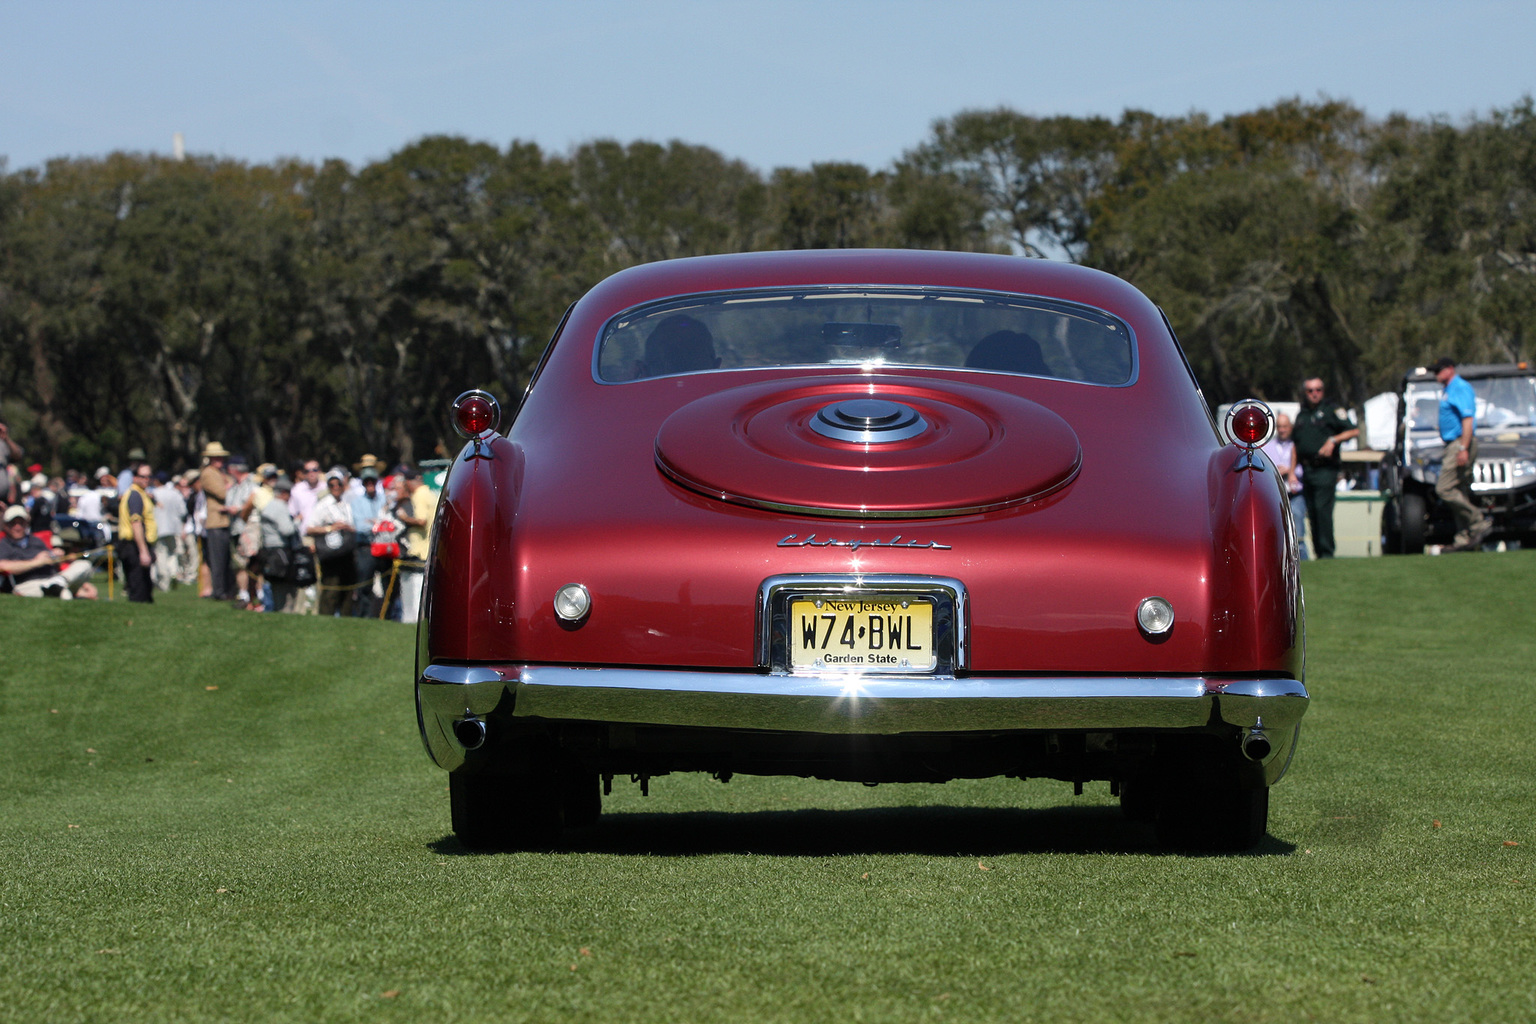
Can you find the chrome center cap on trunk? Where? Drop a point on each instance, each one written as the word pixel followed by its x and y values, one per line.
pixel 868 421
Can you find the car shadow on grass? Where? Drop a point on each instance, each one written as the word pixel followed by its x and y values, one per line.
pixel 942 831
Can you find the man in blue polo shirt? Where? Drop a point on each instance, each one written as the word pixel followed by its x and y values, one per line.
pixel 1458 413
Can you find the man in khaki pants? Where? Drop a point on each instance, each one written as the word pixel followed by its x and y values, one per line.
pixel 1458 413
pixel 216 539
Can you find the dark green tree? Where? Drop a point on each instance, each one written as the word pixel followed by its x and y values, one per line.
pixel 1035 178
pixel 1458 239
pixel 830 206
pixel 655 202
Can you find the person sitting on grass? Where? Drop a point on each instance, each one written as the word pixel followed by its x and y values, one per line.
pixel 34 567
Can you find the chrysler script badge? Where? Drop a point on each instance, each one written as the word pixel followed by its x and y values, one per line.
pixel 792 541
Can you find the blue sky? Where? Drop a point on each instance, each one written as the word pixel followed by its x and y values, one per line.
pixel 773 83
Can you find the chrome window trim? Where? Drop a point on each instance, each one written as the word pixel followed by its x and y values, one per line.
pixel 951 615
pixel 1068 305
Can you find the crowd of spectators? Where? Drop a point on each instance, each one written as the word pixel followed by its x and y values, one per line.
pixel 334 540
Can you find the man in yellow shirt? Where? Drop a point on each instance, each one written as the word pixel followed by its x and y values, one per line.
pixel 416 509
pixel 136 533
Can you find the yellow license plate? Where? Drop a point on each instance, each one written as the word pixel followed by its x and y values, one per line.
pixel 864 634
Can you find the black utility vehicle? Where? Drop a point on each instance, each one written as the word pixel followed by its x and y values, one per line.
pixel 1504 480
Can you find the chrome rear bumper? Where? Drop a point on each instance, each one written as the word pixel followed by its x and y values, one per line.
pixel 867 705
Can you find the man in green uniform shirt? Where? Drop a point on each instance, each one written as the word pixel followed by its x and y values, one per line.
pixel 1319 431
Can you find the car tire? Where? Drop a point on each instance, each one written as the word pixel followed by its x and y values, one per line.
pixel 1138 799
pixel 1412 522
pixel 504 811
pixel 1391 529
pixel 581 798
pixel 1210 819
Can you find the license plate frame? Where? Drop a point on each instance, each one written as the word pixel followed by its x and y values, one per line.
pixel 862 633
pixel 782 649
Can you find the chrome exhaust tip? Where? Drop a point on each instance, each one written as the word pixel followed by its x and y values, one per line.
pixel 469 731
pixel 1255 742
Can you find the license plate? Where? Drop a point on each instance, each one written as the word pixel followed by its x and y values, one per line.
pixel 862 634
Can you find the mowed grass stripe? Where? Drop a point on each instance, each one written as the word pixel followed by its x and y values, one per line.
pixel 278 849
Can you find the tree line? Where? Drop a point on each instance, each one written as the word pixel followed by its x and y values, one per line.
pixel 297 310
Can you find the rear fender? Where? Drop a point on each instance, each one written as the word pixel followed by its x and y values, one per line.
pixel 1256 582
pixel 468 605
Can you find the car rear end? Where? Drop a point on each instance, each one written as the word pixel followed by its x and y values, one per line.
pixel 735 571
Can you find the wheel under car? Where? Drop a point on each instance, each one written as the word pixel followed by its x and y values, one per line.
pixel 1208 818
pixel 505 810
pixel 1199 802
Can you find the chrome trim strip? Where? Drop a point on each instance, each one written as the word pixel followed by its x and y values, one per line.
pixel 868 513
pixel 851 705
pixel 467 675
pixel 859 686
pixel 1243 701
pixel 863 513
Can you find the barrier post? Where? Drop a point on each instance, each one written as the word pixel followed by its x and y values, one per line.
pixel 394 570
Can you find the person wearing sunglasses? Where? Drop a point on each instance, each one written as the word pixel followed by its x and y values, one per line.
pixel 1319 431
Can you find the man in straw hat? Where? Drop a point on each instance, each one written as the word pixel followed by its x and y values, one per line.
pixel 367 462
pixel 216 542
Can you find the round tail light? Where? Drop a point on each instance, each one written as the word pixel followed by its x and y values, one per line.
pixel 572 602
pixel 1155 616
pixel 475 414
pixel 1250 423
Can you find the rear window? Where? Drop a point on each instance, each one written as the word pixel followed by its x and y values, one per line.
pixel 863 328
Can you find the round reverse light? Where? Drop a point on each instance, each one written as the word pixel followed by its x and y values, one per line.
pixel 572 602
pixel 1250 423
pixel 475 413
pixel 1155 616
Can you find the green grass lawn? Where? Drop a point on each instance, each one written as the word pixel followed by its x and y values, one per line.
pixel 217 816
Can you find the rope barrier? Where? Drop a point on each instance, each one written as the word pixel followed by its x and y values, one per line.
pixel 343 586
pixel 389 591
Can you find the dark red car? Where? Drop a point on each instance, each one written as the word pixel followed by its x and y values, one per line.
pixel 862 515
